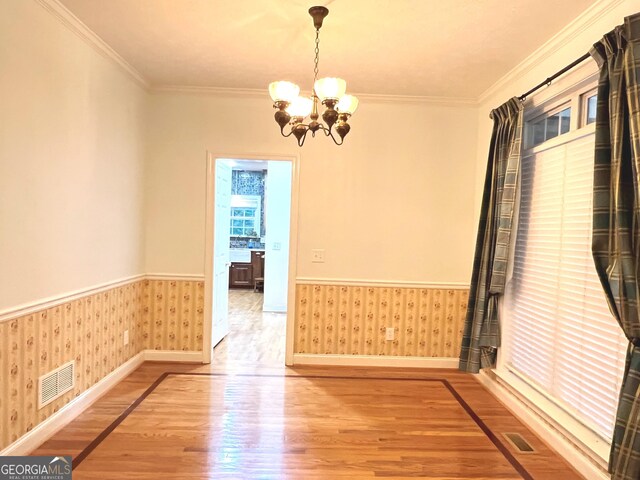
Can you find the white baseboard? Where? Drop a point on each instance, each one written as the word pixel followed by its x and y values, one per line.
pixel 44 430
pixel 375 361
pixel 172 356
pixel 571 453
pixel 274 308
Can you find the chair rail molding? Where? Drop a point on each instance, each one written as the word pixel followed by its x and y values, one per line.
pixel 358 282
pixel 54 300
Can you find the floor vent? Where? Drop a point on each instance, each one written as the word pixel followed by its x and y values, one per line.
pixel 55 383
pixel 519 442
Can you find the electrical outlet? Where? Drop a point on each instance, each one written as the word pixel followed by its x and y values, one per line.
pixel 391 333
pixel 126 337
pixel 317 256
pixel 277 245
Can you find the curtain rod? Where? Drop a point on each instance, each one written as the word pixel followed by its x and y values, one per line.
pixel 554 76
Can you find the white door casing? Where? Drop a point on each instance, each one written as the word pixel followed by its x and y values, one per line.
pixel 209 248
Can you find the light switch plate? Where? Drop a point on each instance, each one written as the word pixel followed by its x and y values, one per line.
pixel 277 245
pixel 317 256
pixel 126 337
pixel 391 333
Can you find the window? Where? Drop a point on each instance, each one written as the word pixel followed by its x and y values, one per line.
pixel 559 337
pixel 547 126
pixel 243 222
pixel 590 101
pixel 245 216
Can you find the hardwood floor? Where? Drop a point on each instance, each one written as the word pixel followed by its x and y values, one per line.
pixel 239 419
pixel 255 337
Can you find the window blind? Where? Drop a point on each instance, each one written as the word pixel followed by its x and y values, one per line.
pixel 559 334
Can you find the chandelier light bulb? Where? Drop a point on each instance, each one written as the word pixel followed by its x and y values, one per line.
pixel 330 88
pixel 283 91
pixel 347 104
pixel 300 107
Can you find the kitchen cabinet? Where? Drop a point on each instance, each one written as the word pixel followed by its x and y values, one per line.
pixel 240 275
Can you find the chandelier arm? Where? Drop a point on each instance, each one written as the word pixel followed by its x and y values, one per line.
pixel 325 130
pixel 302 138
pixel 328 132
pixel 287 135
pixel 334 139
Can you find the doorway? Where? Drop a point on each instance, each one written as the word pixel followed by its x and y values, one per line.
pixel 251 244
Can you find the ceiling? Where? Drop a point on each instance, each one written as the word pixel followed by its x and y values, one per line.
pixel 442 48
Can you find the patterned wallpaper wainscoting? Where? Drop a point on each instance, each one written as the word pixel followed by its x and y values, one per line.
pixel 173 314
pixel 352 320
pixel 159 314
pixel 168 314
pixel 89 329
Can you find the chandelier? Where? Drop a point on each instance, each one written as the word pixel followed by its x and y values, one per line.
pixel 293 109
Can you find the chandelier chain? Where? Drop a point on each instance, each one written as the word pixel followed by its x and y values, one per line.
pixel 317 51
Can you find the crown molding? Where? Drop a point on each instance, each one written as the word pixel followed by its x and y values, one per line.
pixel 211 91
pixel 564 36
pixel 263 94
pixel 74 24
pixel 574 28
pixel 426 99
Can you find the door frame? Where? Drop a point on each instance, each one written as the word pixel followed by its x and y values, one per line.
pixel 207 348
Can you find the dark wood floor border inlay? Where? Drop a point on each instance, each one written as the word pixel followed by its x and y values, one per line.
pixel 467 408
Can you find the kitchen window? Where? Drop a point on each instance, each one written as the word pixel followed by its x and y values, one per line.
pixel 245 216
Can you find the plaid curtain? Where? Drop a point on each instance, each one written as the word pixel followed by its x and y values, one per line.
pixel 616 220
pixel 481 337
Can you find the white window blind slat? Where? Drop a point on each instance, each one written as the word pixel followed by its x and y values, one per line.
pixel 560 335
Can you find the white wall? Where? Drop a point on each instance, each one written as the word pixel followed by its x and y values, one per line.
pixel 278 207
pixel 71 161
pixel 395 202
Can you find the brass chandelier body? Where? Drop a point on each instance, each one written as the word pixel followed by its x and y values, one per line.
pixel 292 109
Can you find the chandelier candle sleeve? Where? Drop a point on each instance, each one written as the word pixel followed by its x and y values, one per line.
pixel 292 109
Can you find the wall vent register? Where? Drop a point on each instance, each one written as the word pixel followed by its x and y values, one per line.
pixel 56 383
